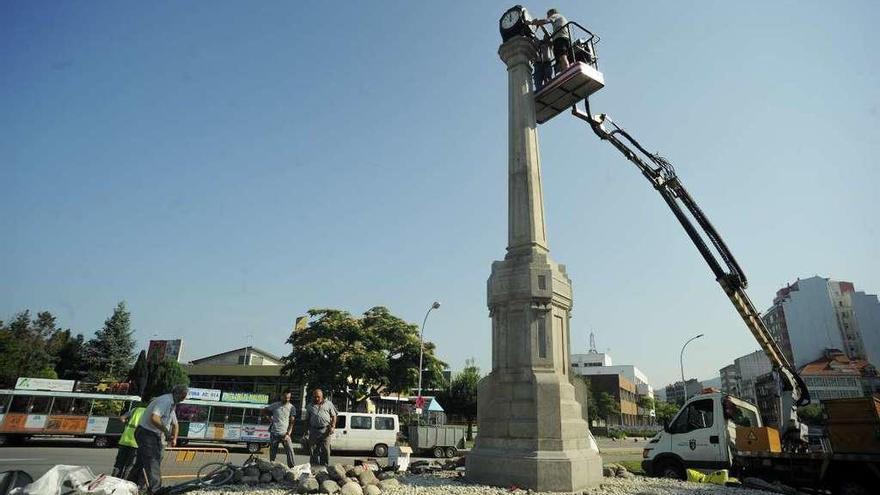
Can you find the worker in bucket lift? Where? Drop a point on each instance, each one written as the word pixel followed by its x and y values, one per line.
pixel 543 65
pixel 561 37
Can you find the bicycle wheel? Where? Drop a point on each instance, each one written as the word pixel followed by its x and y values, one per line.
pixel 215 474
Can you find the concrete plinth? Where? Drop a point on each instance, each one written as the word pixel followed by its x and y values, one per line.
pixel 532 430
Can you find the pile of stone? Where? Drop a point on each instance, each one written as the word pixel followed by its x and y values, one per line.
pixel 342 479
pixel 616 471
pixel 426 467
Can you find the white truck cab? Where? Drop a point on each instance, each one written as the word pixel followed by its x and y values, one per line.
pixel 701 436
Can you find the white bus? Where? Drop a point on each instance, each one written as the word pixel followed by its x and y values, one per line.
pixel 223 422
pixel 26 413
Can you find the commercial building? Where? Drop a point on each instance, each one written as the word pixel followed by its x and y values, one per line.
pixel 600 364
pixel 675 392
pixel 814 314
pixel 246 369
pixel 624 393
pixel 835 376
pixel 739 378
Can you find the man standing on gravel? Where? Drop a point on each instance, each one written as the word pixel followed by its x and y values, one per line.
pixel 158 421
pixel 320 418
pixel 281 428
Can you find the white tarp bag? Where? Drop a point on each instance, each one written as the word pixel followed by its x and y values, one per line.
pixel 76 480
pixel 302 471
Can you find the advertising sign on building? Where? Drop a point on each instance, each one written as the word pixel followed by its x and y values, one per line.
pixel 160 350
pixel 203 394
pixel 44 384
pixel 245 397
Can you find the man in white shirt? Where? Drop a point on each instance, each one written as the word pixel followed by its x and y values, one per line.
pixel 561 37
pixel 158 422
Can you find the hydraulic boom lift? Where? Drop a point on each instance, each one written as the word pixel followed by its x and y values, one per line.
pixel 575 83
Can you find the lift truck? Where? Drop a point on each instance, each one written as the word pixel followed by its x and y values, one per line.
pixel 711 430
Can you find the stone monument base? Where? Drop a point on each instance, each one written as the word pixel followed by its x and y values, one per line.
pixel 536 438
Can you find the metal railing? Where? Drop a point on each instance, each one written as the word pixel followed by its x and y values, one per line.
pixel 185 462
pixel 580 49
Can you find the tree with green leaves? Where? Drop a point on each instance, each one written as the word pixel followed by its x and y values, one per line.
pixel 461 397
pixel 139 376
pixel 359 357
pixel 606 406
pixel 162 377
pixel 665 411
pixel 25 348
pixel 812 414
pixel 110 353
pixel 68 351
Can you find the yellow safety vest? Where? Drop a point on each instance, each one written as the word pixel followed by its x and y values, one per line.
pixel 134 419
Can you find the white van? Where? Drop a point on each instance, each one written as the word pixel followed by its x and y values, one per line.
pixel 701 436
pixel 365 432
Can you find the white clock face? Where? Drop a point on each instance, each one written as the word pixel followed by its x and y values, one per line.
pixel 510 18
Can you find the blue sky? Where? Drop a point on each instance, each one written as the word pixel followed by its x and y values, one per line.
pixel 224 166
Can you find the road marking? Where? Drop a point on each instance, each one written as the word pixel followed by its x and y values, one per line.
pixel 19 460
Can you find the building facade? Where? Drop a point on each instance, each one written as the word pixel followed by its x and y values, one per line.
pixel 814 314
pixel 247 369
pixel 675 392
pixel 600 364
pixel 624 393
pixel 835 376
pixel 739 378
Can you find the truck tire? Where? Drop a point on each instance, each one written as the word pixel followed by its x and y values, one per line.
pixel 380 450
pixel 451 452
pixel 101 442
pixel 254 448
pixel 669 468
pixel 182 442
pixel 439 452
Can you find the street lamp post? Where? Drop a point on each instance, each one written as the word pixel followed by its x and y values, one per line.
pixel 681 362
pixel 422 345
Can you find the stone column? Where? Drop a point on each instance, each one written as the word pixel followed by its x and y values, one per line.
pixel 532 432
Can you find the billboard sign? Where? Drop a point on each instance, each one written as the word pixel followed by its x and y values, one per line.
pixel 160 350
pixel 246 397
pixel 203 394
pixel 49 384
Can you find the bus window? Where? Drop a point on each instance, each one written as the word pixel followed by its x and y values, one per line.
pixel 192 413
pixel 256 417
pixel 81 407
pixel 62 405
pixel 4 403
pixel 19 404
pixel 108 408
pixel 40 405
pixel 226 415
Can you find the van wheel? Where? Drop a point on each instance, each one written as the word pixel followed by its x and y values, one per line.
pixel 670 469
pixel 439 452
pixel 380 450
pixel 254 448
pixel 451 451
pixel 101 442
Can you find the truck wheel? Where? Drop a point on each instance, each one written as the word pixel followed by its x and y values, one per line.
pixel 182 442
pixel 670 469
pixel 4 440
pixel 451 451
pixel 439 452
pixel 101 442
pixel 254 448
pixel 380 450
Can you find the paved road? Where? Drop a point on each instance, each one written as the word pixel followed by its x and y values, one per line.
pixel 38 456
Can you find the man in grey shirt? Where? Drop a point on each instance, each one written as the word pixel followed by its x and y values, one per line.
pixel 159 420
pixel 281 427
pixel 320 418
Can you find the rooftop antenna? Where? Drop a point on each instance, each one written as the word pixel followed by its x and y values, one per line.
pixel 593 344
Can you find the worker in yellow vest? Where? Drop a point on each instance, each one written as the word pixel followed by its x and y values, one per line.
pixel 127 444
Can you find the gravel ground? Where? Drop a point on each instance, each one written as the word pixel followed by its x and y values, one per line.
pixel 449 484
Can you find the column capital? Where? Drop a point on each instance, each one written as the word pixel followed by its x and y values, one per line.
pixel 517 50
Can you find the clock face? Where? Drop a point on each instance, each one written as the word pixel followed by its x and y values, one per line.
pixel 510 18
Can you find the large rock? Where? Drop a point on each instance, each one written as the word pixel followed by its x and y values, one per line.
pixel 337 472
pixel 351 488
pixel 250 480
pixel 278 473
pixel 266 477
pixel 290 476
pixel 372 490
pixel 308 485
pixel 354 471
pixel 252 471
pixel 384 475
pixel 390 484
pixel 263 465
pixel 237 475
pixel 329 486
pixel 322 476
pixel 366 477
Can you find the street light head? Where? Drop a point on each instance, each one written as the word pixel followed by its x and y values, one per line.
pixel 698 336
pixel 435 305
